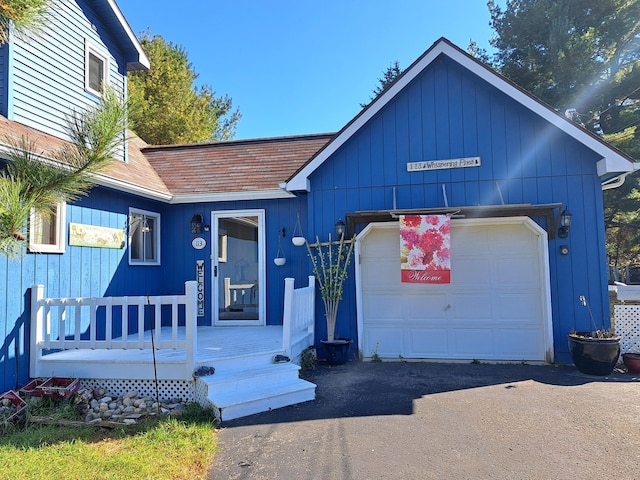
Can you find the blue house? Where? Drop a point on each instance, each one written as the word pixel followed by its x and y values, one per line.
pixel 449 137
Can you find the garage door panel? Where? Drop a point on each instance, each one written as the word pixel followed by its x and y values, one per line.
pixel 381 272
pixel 385 341
pixel 518 343
pixel 377 244
pixel 383 306
pixel 492 309
pixel 472 343
pixel 472 306
pixel 419 306
pixel 469 239
pixel 469 270
pixel 426 342
pixel 516 271
pixel 523 306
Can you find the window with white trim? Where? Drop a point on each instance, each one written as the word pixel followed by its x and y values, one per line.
pixel 144 237
pixel 96 65
pixel 47 232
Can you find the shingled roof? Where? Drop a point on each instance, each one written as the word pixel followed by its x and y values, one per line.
pixel 232 170
pixel 239 169
pixel 134 176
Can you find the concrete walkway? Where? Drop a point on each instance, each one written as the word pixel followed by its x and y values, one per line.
pixel 428 420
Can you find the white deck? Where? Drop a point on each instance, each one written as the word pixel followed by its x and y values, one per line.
pixel 214 344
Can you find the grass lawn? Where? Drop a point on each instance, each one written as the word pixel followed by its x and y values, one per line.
pixel 167 448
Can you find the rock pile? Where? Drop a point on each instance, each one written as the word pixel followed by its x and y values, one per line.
pixel 97 405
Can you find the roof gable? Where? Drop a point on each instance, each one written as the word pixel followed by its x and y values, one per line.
pixel 114 20
pixel 611 161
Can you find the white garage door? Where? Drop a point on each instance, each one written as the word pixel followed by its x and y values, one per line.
pixel 497 306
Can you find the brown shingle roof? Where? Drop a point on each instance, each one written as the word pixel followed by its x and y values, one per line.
pixel 136 173
pixel 239 166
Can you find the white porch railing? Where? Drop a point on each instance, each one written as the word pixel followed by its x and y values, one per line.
pixel 298 318
pixel 72 324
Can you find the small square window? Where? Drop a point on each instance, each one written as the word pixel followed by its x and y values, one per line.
pixel 47 230
pixel 96 68
pixel 144 237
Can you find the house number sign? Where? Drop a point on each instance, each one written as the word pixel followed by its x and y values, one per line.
pixel 198 243
pixel 200 280
pixel 443 164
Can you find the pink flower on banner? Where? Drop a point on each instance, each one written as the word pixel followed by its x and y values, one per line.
pixel 425 247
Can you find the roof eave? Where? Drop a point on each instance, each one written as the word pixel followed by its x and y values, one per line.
pixel 230 196
pixel 135 57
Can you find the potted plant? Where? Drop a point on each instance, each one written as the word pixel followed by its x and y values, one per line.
pixel 631 355
pixel 330 263
pixel 594 352
pixel 631 360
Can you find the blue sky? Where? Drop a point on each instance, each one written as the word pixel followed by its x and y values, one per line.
pixel 303 66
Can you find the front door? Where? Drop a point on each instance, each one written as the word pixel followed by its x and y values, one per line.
pixel 238 267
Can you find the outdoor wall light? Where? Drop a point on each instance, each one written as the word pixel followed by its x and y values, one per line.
pixel 565 223
pixel 196 224
pixel 340 228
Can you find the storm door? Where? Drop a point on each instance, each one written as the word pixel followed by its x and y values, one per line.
pixel 238 267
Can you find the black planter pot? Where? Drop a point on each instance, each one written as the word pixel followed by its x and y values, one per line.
pixel 337 351
pixel 592 355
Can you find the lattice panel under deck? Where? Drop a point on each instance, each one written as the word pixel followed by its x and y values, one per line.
pixel 627 323
pixel 167 389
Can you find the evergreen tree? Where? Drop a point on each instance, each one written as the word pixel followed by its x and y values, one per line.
pixel 167 108
pixel 388 77
pixel 582 55
pixel 23 15
pixel 29 183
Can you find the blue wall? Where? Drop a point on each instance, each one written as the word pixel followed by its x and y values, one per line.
pixel 90 271
pixel 80 271
pixel 179 257
pixel 47 77
pixel 447 112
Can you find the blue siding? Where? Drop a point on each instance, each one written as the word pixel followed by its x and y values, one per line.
pixel 48 69
pixel 179 257
pixel 447 112
pixel 80 271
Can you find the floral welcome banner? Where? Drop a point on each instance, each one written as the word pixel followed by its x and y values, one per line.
pixel 424 248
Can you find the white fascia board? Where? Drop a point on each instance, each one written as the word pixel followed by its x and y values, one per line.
pixel 143 61
pixel 614 161
pixel 231 196
pixel 614 165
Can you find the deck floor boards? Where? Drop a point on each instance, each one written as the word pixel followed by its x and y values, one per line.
pixel 214 343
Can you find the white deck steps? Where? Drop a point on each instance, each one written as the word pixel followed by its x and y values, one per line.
pixel 243 391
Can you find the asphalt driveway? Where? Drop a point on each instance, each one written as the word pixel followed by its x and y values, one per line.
pixel 428 420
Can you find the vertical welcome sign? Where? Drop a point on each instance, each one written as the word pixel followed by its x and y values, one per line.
pixel 425 241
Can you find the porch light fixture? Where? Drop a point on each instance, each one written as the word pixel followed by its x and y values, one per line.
pixel 196 224
pixel 565 223
pixel 340 228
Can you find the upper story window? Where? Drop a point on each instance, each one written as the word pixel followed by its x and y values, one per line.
pixel 47 232
pixel 96 66
pixel 144 237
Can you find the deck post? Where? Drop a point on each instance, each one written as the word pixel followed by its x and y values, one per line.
pixel 191 326
pixel 286 315
pixel 36 335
